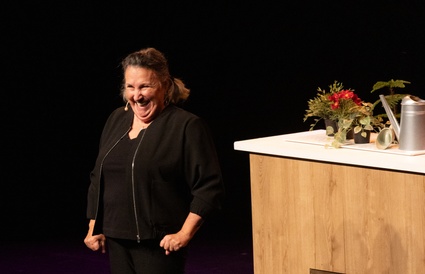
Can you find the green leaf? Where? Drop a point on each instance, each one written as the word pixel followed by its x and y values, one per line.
pixel 390 84
pixel 365 120
pixel 357 129
pixel 398 83
pixel 329 130
pixel 368 127
pixel 379 85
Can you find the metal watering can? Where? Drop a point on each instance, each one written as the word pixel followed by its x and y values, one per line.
pixel 411 131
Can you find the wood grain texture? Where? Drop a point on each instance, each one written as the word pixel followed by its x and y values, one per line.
pixel 340 218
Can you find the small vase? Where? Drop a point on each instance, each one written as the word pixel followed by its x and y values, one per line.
pixel 359 139
pixel 333 124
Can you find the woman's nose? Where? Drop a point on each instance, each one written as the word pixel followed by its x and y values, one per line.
pixel 137 92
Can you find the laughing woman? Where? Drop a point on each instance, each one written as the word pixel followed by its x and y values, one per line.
pixel 156 177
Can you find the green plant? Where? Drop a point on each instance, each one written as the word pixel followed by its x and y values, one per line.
pixel 319 107
pixel 392 97
pixel 380 121
pixel 348 109
pixel 358 119
pixel 391 85
pixel 364 120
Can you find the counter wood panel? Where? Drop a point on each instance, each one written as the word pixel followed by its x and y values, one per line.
pixel 334 217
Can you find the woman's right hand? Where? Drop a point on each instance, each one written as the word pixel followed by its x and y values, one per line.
pixel 95 242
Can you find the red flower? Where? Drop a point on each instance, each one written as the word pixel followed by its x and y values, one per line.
pixel 344 95
pixel 335 105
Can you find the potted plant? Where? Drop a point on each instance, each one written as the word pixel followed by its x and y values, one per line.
pixel 392 97
pixel 350 112
pixel 319 108
pixel 364 123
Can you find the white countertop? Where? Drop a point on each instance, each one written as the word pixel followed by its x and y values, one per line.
pixel 313 145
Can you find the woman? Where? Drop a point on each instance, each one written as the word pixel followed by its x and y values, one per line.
pixel 156 177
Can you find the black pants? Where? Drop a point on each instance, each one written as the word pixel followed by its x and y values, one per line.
pixel 146 257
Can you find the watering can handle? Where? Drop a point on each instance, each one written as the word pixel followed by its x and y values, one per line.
pixel 391 116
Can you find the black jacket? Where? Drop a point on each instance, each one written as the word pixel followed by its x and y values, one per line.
pixel 176 170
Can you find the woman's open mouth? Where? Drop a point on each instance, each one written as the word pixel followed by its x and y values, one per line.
pixel 143 102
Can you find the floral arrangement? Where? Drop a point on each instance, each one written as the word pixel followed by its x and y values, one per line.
pixel 348 111
pixel 344 103
pixel 345 108
pixel 351 113
pixel 319 107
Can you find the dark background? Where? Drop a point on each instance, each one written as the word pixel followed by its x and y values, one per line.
pixel 251 68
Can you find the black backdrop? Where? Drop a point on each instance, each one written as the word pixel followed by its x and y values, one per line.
pixel 251 68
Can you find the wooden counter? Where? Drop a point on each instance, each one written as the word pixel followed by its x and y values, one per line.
pixel 347 210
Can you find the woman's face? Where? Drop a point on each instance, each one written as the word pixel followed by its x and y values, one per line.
pixel 143 92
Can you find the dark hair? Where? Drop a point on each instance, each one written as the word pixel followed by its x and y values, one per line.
pixel 153 59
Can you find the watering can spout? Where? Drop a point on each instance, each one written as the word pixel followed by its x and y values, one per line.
pixel 391 116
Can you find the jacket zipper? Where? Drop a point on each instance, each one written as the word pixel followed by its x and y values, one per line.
pixel 133 186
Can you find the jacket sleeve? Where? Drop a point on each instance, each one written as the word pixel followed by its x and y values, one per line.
pixel 203 171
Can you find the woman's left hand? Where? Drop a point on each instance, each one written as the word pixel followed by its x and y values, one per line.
pixel 173 242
